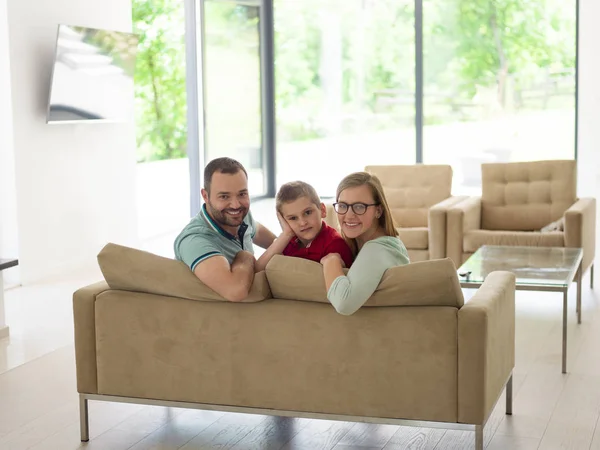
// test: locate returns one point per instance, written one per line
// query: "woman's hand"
(332, 257)
(286, 230)
(332, 268)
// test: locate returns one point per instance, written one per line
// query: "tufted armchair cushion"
(419, 196)
(412, 190)
(526, 196)
(518, 202)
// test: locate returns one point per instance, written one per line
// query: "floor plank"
(500, 442)
(219, 435)
(574, 419)
(411, 438)
(273, 434)
(319, 435)
(368, 435)
(457, 440)
(179, 430)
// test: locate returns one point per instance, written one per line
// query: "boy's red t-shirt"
(327, 241)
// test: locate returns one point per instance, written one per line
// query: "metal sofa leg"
(84, 425)
(478, 437)
(592, 276)
(509, 395)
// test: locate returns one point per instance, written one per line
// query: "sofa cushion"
(427, 283)
(129, 269)
(412, 189)
(415, 238)
(526, 196)
(476, 238)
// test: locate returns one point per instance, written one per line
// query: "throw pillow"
(129, 269)
(426, 283)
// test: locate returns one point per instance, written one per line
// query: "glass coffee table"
(550, 269)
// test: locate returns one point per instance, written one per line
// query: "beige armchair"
(419, 196)
(518, 200)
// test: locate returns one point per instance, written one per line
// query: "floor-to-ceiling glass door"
(345, 87)
(233, 87)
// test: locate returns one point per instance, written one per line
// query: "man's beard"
(224, 219)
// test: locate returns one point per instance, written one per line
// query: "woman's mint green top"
(348, 293)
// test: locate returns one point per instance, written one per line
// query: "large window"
(232, 87)
(360, 82)
(345, 87)
(163, 186)
(160, 96)
(499, 83)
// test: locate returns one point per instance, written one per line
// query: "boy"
(305, 234)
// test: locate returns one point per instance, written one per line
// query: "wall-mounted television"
(93, 76)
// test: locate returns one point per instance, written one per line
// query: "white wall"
(75, 184)
(8, 195)
(589, 100)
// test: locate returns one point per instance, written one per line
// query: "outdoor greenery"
(160, 79)
(346, 65)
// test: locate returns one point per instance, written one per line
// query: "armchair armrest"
(436, 220)
(84, 317)
(462, 217)
(486, 347)
(580, 228)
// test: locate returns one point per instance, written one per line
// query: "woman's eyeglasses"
(358, 208)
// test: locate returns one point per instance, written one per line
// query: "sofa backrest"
(526, 196)
(426, 283)
(130, 269)
(412, 189)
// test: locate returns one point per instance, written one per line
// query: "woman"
(366, 223)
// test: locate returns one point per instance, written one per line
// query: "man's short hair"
(292, 191)
(225, 165)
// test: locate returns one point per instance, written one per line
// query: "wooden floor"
(39, 404)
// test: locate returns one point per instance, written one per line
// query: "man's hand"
(231, 282)
(242, 258)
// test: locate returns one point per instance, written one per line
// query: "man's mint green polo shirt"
(203, 238)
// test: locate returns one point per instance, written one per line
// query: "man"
(217, 243)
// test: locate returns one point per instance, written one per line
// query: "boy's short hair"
(292, 191)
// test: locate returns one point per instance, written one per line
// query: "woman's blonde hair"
(386, 221)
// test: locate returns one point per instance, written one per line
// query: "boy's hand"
(286, 230)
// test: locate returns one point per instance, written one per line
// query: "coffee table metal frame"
(575, 274)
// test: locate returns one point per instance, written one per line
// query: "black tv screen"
(93, 75)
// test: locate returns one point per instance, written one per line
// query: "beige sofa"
(152, 333)
(518, 200)
(419, 196)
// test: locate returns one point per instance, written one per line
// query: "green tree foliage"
(352, 59)
(374, 42)
(160, 79)
(487, 41)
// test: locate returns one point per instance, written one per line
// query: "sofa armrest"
(580, 228)
(486, 347)
(462, 217)
(84, 318)
(436, 220)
